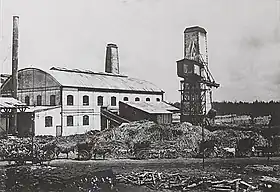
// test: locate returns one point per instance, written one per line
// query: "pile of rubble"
(180, 182)
(230, 137)
(15, 148)
(166, 141)
(142, 139)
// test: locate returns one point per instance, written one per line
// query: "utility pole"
(15, 46)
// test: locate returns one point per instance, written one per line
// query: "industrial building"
(64, 101)
(72, 101)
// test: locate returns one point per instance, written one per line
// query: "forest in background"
(254, 109)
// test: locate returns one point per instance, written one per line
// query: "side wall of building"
(164, 118)
(134, 114)
(33, 83)
(78, 110)
(39, 119)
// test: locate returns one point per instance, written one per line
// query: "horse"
(64, 150)
(245, 146)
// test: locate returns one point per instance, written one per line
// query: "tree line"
(253, 109)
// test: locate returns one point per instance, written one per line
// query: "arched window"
(137, 99)
(70, 100)
(27, 100)
(148, 99)
(85, 100)
(70, 120)
(99, 100)
(39, 100)
(158, 99)
(85, 120)
(48, 121)
(52, 100)
(125, 98)
(113, 101)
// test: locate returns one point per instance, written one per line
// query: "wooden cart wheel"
(141, 155)
(85, 155)
(50, 155)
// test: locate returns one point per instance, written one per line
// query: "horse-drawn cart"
(84, 151)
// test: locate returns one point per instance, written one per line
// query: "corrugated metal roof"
(89, 79)
(9, 102)
(152, 107)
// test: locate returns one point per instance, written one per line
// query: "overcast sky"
(243, 40)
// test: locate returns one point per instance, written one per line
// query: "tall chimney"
(15, 56)
(112, 59)
(13, 125)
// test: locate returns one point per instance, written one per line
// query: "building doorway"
(58, 130)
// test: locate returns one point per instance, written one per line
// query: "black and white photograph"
(139, 95)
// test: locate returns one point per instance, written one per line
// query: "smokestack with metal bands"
(112, 59)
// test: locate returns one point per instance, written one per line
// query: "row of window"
(70, 120)
(39, 100)
(70, 100)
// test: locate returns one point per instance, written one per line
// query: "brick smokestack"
(112, 59)
(15, 56)
(15, 47)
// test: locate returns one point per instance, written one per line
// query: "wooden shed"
(158, 112)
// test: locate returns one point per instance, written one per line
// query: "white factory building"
(71, 101)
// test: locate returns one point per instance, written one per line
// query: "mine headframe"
(197, 83)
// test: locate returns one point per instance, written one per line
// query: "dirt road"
(120, 164)
(216, 168)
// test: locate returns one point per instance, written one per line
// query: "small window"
(48, 121)
(27, 100)
(158, 99)
(70, 120)
(85, 100)
(39, 100)
(125, 98)
(70, 100)
(113, 101)
(85, 120)
(148, 99)
(137, 99)
(52, 100)
(99, 100)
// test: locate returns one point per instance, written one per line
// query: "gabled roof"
(90, 79)
(152, 107)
